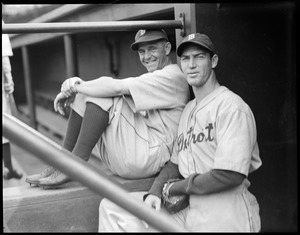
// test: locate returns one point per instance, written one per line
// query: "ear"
(214, 61)
(168, 47)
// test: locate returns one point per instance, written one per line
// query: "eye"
(200, 56)
(141, 52)
(152, 49)
(183, 58)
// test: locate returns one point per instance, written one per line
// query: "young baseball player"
(215, 151)
(134, 121)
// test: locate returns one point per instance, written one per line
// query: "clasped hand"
(66, 95)
(9, 87)
(153, 201)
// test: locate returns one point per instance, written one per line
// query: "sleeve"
(236, 136)
(6, 46)
(170, 171)
(6, 64)
(213, 181)
(156, 90)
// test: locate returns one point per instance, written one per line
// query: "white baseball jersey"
(219, 133)
(143, 127)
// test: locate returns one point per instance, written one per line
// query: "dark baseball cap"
(198, 39)
(148, 36)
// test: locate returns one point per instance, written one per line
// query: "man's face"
(197, 65)
(153, 55)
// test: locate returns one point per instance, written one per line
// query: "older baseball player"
(133, 121)
(215, 150)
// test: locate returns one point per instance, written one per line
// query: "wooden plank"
(53, 121)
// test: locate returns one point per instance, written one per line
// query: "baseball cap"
(148, 36)
(198, 39)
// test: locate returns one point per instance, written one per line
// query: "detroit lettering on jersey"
(194, 138)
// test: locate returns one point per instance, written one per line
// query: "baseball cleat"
(53, 181)
(34, 179)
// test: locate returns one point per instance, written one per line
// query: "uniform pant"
(113, 218)
(234, 210)
(125, 146)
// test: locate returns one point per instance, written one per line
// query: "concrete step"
(70, 208)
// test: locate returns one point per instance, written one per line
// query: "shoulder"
(229, 101)
(189, 107)
(170, 69)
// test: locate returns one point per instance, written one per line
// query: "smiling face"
(154, 55)
(197, 65)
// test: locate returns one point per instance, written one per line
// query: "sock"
(95, 121)
(7, 157)
(73, 128)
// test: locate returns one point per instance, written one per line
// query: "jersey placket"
(190, 157)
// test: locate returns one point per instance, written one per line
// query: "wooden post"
(28, 87)
(70, 56)
(189, 21)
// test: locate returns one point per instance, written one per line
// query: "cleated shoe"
(56, 179)
(34, 179)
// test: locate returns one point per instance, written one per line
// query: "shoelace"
(48, 169)
(55, 174)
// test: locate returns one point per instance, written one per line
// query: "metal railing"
(92, 26)
(51, 153)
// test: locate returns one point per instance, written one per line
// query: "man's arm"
(8, 80)
(170, 171)
(213, 181)
(104, 87)
(100, 87)
(153, 198)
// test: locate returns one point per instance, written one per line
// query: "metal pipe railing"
(50, 152)
(90, 26)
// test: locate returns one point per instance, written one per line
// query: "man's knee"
(105, 204)
(79, 105)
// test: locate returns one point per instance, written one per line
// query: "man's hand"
(153, 201)
(9, 87)
(68, 88)
(61, 102)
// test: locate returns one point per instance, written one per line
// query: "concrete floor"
(23, 162)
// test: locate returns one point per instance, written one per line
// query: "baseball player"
(134, 121)
(215, 150)
(7, 92)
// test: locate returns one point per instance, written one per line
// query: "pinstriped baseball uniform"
(142, 127)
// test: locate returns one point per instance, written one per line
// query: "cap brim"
(134, 46)
(182, 45)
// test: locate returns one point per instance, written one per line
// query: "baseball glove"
(176, 203)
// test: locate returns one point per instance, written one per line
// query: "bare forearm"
(103, 87)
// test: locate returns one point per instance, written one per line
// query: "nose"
(192, 63)
(147, 54)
